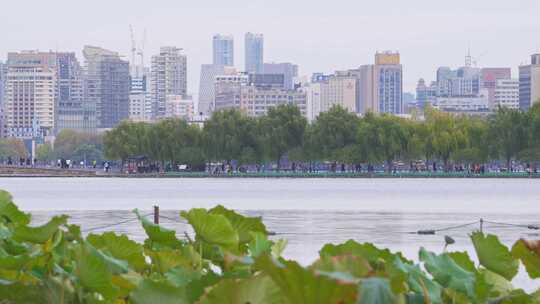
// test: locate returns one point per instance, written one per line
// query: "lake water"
(307, 212)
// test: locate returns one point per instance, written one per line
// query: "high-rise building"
(288, 70)
(179, 106)
(381, 84)
(489, 79)
(506, 94)
(106, 85)
(169, 77)
(336, 90)
(73, 112)
(235, 91)
(367, 93)
(140, 100)
(223, 50)
(3, 72)
(268, 81)
(30, 97)
(207, 87)
(254, 53)
(425, 95)
(529, 83)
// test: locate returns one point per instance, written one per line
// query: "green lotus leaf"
(18, 292)
(419, 283)
(356, 266)
(181, 277)
(5, 233)
(498, 285)
(279, 247)
(530, 258)
(157, 235)
(166, 259)
(17, 262)
(302, 286)
(259, 244)
(213, 229)
(448, 273)
(517, 296)
(367, 251)
(119, 247)
(197, 287)
(41, 234)
(243, 225)
(463, 260)
(93, 271)
(255, 290)
(162, 292)
(493, 255)
(376, 291)
(10, 211)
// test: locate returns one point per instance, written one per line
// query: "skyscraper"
(72, 110)
(207, 88)
(254, 53)
(389, 82)
(223, 50)
(106, 85)
(169, 77)
(30, 97)
(529, 83)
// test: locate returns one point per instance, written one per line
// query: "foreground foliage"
(231, 260)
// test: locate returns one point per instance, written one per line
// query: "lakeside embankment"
(55, 172)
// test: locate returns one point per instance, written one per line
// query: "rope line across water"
(114, 224)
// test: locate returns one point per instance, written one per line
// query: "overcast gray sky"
(317, 35)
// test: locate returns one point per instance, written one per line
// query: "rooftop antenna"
(468, 58)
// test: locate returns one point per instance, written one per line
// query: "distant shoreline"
(50, 173)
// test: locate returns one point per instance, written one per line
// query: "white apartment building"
(507, 93)
(235, 91)
(169, 77)
(30, 97)
(140, 100)
(177, 106)
(471, 104)
(334, 91)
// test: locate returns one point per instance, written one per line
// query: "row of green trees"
(12, 148)
(335, 136)
(73, 145)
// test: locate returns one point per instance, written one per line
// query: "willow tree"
(444, 136)
(383, 138)
(334, 134)
(230, 135)
(508, 134)
(127, 139)
(281, 131)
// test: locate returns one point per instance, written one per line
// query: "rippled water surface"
(307, 212)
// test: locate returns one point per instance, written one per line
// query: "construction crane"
(140, 52)
(133, 45)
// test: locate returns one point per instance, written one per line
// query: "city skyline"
(339, 37)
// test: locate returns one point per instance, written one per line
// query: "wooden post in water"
(481, 225)
(156, 214)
